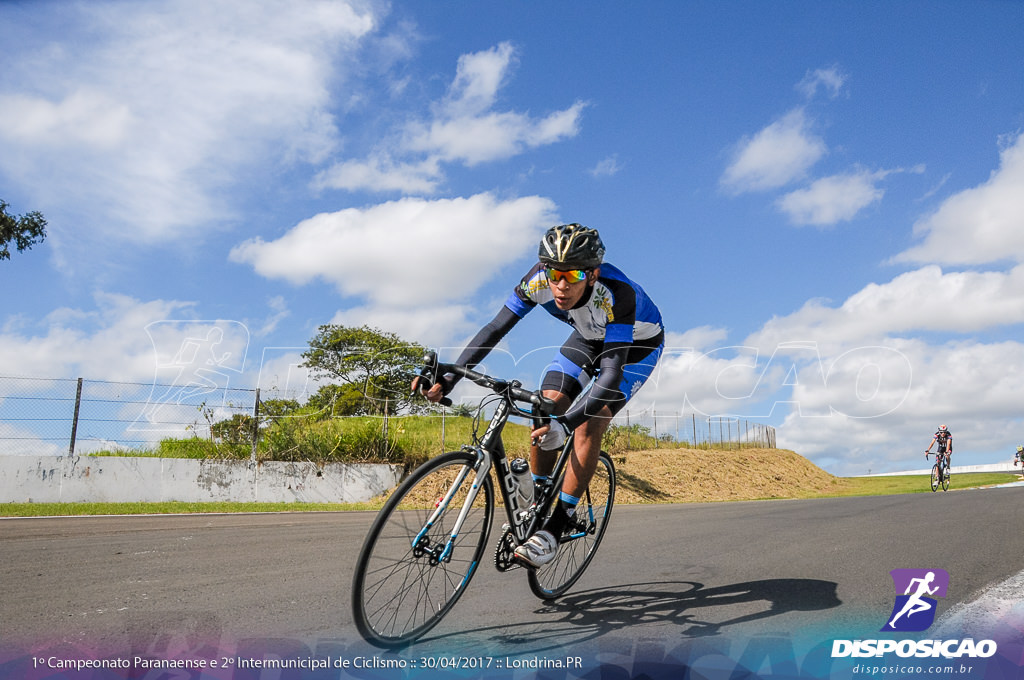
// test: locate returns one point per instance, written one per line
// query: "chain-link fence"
(693, 431)
(56, 416)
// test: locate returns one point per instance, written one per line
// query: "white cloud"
(491, 136)
(978, 225)
(832, 199)
(973, 387)
(607, 167)
(431, 326)
(279, 312)
(136, 122)
(873, 391)
(700, 338)
(830, 79)
(478, 77)
(721, 380)
(775, 156)
(863, 384)
(925, 300)
(110, 342)
(406, 252)
(464, 127)
(380, 173)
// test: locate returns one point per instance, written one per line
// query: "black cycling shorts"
(577, 362)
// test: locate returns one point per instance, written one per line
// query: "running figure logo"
(915, 607)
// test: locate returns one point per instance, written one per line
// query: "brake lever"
(427, 377)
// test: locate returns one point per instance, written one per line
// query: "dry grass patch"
(692, 475)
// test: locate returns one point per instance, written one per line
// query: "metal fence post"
(74, 420)
(255, 426)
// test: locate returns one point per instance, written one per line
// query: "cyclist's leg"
(557, 569)
(564, 380)
(639, 367)
(589, 435)
(583, 462)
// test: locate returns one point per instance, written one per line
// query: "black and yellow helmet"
(571, 246)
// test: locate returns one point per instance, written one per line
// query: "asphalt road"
(666, 575)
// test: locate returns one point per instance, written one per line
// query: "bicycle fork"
(437, 553)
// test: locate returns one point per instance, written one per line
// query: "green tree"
(235, 430)
(338, 400)
(25, 230)
(378, 364)
(272, 409)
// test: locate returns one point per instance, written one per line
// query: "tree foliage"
(235, 430)
(374, 367)
(25, 230)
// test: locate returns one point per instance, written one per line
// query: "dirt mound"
(691, 475)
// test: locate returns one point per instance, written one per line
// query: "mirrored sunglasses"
(572, 276)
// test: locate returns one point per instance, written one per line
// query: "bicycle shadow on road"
(696, 606)
(698, 611)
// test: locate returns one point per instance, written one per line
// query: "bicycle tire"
(946, 474)
(575, 552)
(935, 477)
(398, 592)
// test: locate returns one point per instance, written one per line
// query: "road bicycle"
(940, 473)
(428, 540)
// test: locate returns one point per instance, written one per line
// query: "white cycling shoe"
(538, 550)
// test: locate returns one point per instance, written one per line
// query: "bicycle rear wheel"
(409, 573)
(582, 538)
(935, 477)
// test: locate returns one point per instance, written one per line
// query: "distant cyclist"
(944, 438)
(1019, 457)
(617, 335)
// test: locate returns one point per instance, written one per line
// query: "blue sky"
(826, 199)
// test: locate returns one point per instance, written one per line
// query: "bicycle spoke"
(402, 587)
(586, 531)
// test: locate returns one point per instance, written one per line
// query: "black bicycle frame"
(490, 450)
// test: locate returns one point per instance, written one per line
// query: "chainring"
(504, 558)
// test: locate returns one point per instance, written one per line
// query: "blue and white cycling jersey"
(617, 309)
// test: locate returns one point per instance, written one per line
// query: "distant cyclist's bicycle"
(940, 471)
(429, 538)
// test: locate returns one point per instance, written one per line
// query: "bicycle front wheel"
(935, 477)
(582, 538)
(945, 478)
(411, 570)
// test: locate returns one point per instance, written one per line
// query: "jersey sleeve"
(605, 389)
(524, 296)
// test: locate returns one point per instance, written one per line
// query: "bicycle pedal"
(521, 563)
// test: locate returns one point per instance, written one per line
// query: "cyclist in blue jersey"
(617, 339)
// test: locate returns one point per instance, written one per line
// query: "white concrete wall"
(69, 479)
(959, 469)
